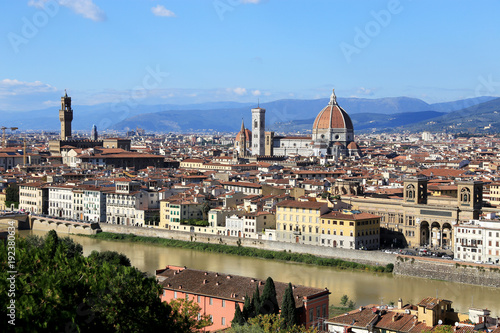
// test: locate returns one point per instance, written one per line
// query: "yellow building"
(33, 197)
(495, 194)
(3, 197)
(173, 212)
(350, 230)
(299, 221)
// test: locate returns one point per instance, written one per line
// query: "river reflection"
(363, 287)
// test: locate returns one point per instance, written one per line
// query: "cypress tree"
(256, 300)
(248, 310)
(238, 319)
(288, 309)
(269, 302)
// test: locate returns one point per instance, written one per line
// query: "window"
(223, 303)
(211, 302)
(175, 294)
(199, 299)
(223, 321)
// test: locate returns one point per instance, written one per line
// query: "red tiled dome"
(332, 116)
(353, 145)
(248, 135)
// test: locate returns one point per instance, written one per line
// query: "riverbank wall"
(438, 269)
(363, 257)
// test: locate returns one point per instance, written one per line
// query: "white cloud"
(239, 91)
(85, 8)
(256, 93)
(365, 91)
(14, 87)
(160, 10)
(255, 2)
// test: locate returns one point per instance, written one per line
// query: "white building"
(478, 241)
(250, 225)
(94, 203)
(61, 201)
(128, 204)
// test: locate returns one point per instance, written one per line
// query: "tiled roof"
(227, 286)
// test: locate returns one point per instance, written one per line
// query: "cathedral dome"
(332, 116)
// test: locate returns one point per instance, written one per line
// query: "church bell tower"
(65, 116)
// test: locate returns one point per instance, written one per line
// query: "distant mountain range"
(384, 114)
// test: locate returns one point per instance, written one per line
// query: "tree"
(343, 300)
(112, 257)
(248, 309)
(269, 302)
(205, 208)
(187, 315)
(57, 292)
(351, 304)
(256, 300)
(238, 319)
(12, 195)
(288, 309)
(270, 323)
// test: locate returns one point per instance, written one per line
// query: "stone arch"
(447, 235)
(435, 234)
(424, 233)
(465, 195)
(410, 191)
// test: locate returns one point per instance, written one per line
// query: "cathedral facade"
(332, 136)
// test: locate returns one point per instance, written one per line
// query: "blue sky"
(191, 51)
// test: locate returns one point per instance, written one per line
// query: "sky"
(194, 51)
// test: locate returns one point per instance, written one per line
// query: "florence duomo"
(332, 136)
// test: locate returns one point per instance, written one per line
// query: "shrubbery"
(248, 252)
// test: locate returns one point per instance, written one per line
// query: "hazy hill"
(480, 118)
(226, 116)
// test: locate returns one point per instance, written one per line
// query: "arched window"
(465, 195)
(410, 191)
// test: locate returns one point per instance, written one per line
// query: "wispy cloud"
(160, 10)
(239, 91)
(9, 87)
(85, 8)
(255, 2)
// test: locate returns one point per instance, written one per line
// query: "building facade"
(418, 219)
(218, 295)
(477, 241)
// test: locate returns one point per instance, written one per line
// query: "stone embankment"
(363, 257)
(447, 270)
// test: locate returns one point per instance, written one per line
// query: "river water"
(362, 287)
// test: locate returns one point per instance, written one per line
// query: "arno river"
(363, 287)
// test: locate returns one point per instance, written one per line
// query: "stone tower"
(258, 128)
(65, 116)
(93, 135)
(243, 140)
(415, 190)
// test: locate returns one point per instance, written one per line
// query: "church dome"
(248, 135)
(332, 116)
(353, 145)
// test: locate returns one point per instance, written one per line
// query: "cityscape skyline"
(246, 51)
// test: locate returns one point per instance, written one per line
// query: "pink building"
(218, 294)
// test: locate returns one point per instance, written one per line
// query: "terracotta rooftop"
(227, 286)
